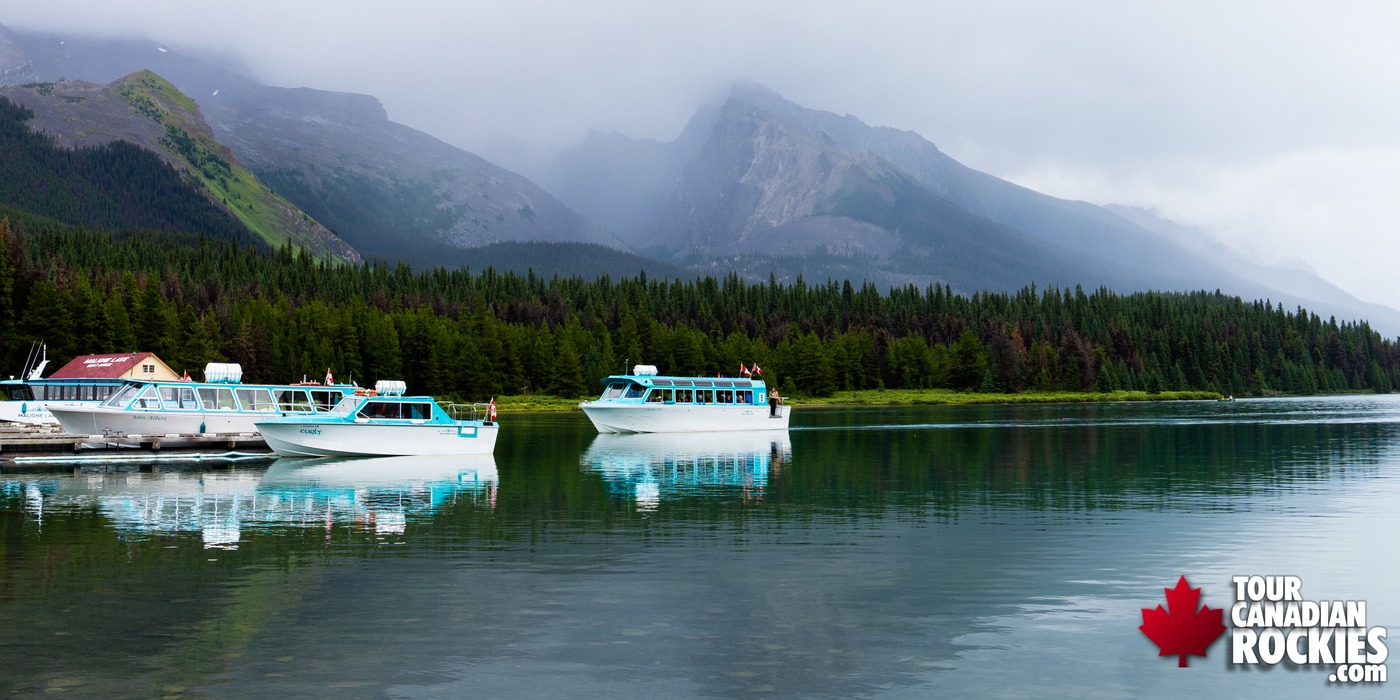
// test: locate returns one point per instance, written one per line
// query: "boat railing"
(468, 411)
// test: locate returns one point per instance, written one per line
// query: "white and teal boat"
(27, 399)
(383, 423)
(221, 404)
(647, 402)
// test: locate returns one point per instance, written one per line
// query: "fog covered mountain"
(389, 190)
(754, 184)
(757, 183)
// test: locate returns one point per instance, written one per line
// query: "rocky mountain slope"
(145, 110)
(388, 190)
(757, 183)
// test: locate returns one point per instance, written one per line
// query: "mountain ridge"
(754, 184)
(913, 215)
(144, 109)
(388, 190)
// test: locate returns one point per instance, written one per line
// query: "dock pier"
(39, 439)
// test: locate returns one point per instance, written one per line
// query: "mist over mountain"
(757, 183)
(754, 184)
(389, 190)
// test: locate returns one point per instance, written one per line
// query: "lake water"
(866, 553)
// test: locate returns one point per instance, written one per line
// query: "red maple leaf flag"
(1182, 631)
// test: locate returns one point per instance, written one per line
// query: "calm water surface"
(881, 553)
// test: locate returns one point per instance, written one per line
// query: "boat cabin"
(183, 396)
(684, 390)
(415, 409)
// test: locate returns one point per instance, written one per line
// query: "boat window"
(257, 400)
(293, 400)
(119, 398)
(417, 411)
(217, 398)
(659, 396)
(746, 397)
(704, 396)
(614, 390)
(724, 396)
(684, 395)
(381, 409)
(346, 406)
(178, 398)
(683, 382)
(325, 400)
(634, 391)
(21, 393)
(147, 400)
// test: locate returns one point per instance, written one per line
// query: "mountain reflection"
(375, 495)
(650, 468)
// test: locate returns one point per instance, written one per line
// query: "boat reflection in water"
(651, 467)
(378, 494)
(375, 495)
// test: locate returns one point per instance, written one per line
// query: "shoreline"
(541, 403)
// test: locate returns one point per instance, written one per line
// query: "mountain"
(386, 189)
(147, 112)
(1294, 285)
(15, 66)
(756, 182)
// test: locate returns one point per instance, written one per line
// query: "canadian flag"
(757, 369)
(491, 410)
(329, 378)
(745, 371)
(185, 378)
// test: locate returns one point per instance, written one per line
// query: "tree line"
(284, 315)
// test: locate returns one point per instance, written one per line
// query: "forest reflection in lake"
(891, 552)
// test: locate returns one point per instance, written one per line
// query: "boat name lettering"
(310, 431)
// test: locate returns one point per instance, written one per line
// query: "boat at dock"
(647, 402)
(27, 399)
(383, 422)
(220, 404)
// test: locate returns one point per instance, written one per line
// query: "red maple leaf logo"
(1183, 631)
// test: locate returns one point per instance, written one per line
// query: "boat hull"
(100, 420)
(326, 439)
(610, 417)
(28, 412)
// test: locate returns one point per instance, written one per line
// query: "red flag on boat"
(757, 369)
(329, 378)
(491, 410)
(744, 370)
(185, 378)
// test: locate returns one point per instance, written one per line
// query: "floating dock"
(25, 439)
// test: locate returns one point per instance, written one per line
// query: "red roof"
(100, 366)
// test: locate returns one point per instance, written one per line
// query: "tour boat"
(221, 404)
(382, 423)
(646, 402)
(27, 399)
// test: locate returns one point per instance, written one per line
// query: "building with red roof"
(127, 365)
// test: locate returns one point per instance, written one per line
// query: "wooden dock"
(17, 438)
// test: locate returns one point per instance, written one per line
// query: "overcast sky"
(1274, 124)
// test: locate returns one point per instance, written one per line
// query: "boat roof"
(342, 388)
(689, 382)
